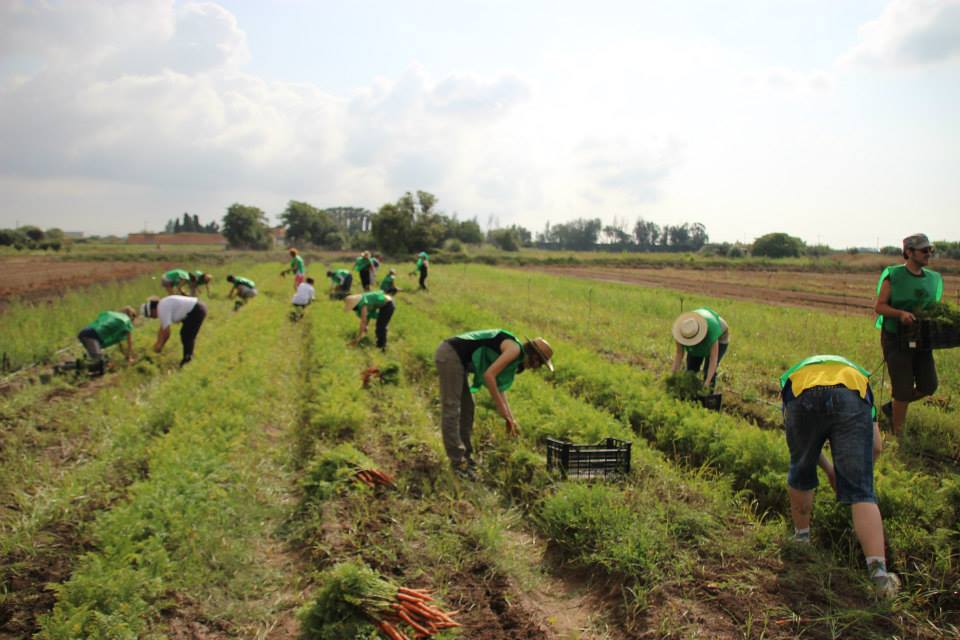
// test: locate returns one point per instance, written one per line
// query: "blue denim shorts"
(840, 415)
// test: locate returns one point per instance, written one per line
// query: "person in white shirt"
(171, 310)
(304, 296)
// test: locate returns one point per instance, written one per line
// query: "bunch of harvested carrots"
(374, 477)
(414, 608)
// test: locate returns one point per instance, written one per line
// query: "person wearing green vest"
(494, 357)
(389, 285)
(704, 335)
(243, 289)
(341, 281)
(110, 328)
(373, 305)
(364, 267)
(828, 397)
(902, 291)
(297, 268)
(199, 279)
(423, 266)
(174, 280)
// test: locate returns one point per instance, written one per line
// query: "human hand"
(131, 359)
(907, 318)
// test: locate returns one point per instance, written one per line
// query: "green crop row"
(186, 528)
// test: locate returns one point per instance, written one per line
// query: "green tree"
(246, 227)
(35, 234)
(306, 223)
(427, 201)
(467, 231)
(391, 227)
(505, 239)
(777, 245)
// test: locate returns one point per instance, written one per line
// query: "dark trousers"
(694, 363)
(365, 279)
(189, 330)
(386, 312)
(423, 277)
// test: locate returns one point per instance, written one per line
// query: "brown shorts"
(913, 374)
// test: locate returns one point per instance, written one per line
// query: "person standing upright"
(297, 268)
(423, 266)
(363, 266)
(902, 291)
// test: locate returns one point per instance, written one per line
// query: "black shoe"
(887, 410)
(465, 471)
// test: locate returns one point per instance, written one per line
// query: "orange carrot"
(391, 632)
(416, 593)
(410, 621)
(401, 595)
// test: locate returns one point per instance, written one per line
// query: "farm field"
(222, 500)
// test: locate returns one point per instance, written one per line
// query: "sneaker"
(887, 586)
(801, 538)
(465, 472)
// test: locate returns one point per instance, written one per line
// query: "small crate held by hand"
(926, 333)
(609, 458)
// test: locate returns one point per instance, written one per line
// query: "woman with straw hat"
(494, 357)
(374, 305)
(704, 335)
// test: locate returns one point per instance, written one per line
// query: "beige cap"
(351, 301)
(690, 328)
(544, 350)
(916, 241)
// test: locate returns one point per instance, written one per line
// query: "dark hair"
(329, 273)
(309, 280)
(230, 278)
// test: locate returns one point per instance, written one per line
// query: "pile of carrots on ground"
(374, 477)
(415, 608)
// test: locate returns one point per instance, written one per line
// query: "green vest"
(820, 360)
(111, 327)
(339, 276)
(296, 264)
(243, 282)
(361, 263)
(714, 331)
(485, 356)
(372, 300)
(197, 276)
(387, 283)
(176, 276)
(909, 292)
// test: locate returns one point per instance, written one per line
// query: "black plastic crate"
(610, 457)
(929, 334)
(712, 401)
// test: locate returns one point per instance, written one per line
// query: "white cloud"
(910, 32)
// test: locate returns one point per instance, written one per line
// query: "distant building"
(279, 235)
(73, 235)
(176, 238)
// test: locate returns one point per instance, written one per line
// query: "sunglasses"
(925, 250)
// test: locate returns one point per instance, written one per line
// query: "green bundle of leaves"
(942, 312)
(684, 385)
(351, 597)
(332, 467)
(390, 374)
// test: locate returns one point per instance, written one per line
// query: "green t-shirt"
(244, 282)
(361, 263)
(387, 283)
(715, 329)
(176, 276)
(111, 327)
(909, 292)
(339, 276)
(373, 301)
(296, 264)
(197, 276)
(485, 356)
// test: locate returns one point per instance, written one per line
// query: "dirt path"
(851, 293)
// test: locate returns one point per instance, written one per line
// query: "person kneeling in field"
(199, 279)
(171, 310)
(704, 335)
(389, 284)
(373, 305)
(243, 289)
(304, 296)
(110, 328)
(174, 280)
(494, 357)
(829, 398)
(341, 281)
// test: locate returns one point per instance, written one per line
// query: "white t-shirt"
(173, 309)
(304, 294)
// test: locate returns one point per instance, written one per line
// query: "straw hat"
(351, 301)
(690, 328)
(544, 350)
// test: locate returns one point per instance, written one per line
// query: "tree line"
(190, 224)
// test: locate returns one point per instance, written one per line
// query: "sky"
(832, 121)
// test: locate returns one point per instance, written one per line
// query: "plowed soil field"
(851, 293)
(36, 278)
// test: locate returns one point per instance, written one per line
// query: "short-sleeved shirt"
(197, 277)
(477, 350)
(244, 282)
(304, 294)
(373, 301)
(387, 283)
(296, 264)
(361, 263)
(173, 309)
(339, 276)
(111, 327)
(717, 331)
